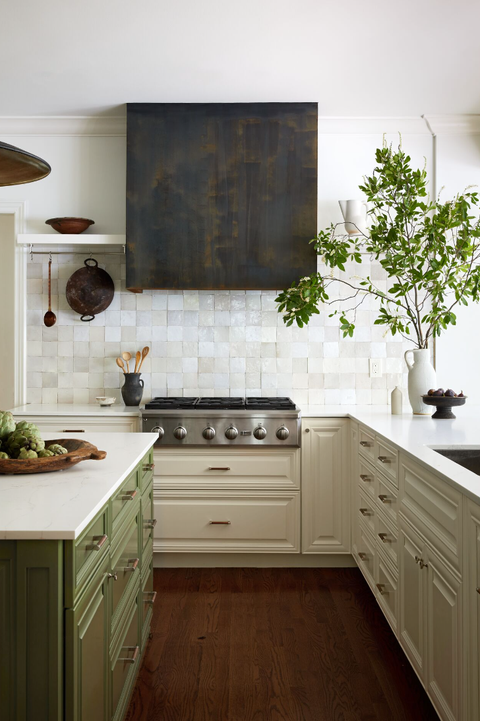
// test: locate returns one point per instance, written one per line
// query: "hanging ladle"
(49, 318)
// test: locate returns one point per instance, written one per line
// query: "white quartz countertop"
(60, 505)
(416, 434)
(72, 409)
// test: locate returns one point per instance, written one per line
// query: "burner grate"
(269, 404)
(171, 403)
(221, 404)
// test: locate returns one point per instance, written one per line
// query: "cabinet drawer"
(89, 550)
(147, 601)
(146, 470)
(387, 538)
(51, 427)
(387, 498)
(387, 461)
(366, 555)
(366, 443)
(125, 665)
(202, 469)
(126, 569)
(386, 585)
(366, 511)
(238, 522)
(366, 478)
(148, 520)
(123, 499)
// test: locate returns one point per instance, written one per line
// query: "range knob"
(208, 433)
(259, 433)
(180, 432)
(283, 433)
(231, 433)
(159, 430)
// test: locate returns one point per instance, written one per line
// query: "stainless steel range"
(223, 421)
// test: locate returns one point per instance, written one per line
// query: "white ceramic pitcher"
(421, 377)
(355, 216)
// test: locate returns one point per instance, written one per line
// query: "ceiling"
(356, 58)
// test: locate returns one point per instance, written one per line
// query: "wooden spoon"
(127, 357)
(138, 355)
(49, 318)
(145, 352)
(121, 365)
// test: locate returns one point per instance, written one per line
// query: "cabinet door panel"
(412, 584)
(444, 649)
(325, 487)
(472, 608)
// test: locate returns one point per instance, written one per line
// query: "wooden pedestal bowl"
(444, 405)
(77, 451)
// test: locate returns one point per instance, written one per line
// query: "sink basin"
(466, 456)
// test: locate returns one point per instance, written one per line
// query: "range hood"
(220, 195)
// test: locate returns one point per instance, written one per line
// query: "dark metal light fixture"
(18, 167)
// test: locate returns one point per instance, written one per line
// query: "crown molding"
(371, 126)
(94, 125)
(454, 124)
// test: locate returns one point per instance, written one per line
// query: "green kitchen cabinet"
(71, 641)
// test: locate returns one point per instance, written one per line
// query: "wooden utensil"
(49, 318)
(145, 352)
(138, 356)
(127, 357)
(121, 365)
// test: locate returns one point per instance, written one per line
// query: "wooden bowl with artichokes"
(22, 449)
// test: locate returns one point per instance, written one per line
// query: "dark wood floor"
(272, 645)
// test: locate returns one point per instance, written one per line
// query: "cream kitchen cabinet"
(472, 610)
(61, 426)
(325, 486)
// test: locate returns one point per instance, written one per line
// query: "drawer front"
(367, 513)
(146, 470)
(202, 469)
(148, 598)
(235, 522)
(125, 665)
(123, 499)
(366, 443)
(387, 498)
(125, 567)
(55, 427)
(148, 520)
(387, 461)
(387, 538)
(386, 585)
(366, 478)
(90, 548)
(366, 556)
(433, 507)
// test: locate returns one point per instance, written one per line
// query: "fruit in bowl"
(444, 401)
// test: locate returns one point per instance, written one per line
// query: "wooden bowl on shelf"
(444, 405)
(77, 451)
(70, 225)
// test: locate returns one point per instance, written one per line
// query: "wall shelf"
(69, 239)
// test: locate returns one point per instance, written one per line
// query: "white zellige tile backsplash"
(201, 343)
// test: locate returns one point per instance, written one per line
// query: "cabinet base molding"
(251, 560)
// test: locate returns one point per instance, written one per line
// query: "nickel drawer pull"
(98, 543)
(384, 537)
(128, 496)
(421, 562)
(478, 590)
(148, 466)
(153, 596)
(150, 523)
(384, 498)
(384, 459)
(365, 512)
(219, 468)
(362, 556)
(219, 523)
(67, 430)
(365, 478)
(366, 444)
(112, 575)
(133, 658)
(381, 588)
(133, 567)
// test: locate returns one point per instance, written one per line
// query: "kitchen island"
(76, 583)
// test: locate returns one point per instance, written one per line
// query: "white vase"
(421, 377)
(355, 216)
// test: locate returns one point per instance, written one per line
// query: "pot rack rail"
(84, 252)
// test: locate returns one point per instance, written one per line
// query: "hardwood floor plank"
(273, 645)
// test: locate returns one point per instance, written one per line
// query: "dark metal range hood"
(220, 195)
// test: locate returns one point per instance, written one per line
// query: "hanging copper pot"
(90, 290)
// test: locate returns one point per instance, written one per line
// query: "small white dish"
(105, 401)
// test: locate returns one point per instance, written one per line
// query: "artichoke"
(23, 439)
(25, 454)
(25, 426)
(7, 424)
(3, 456)
(45, 454)
(57, 449)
